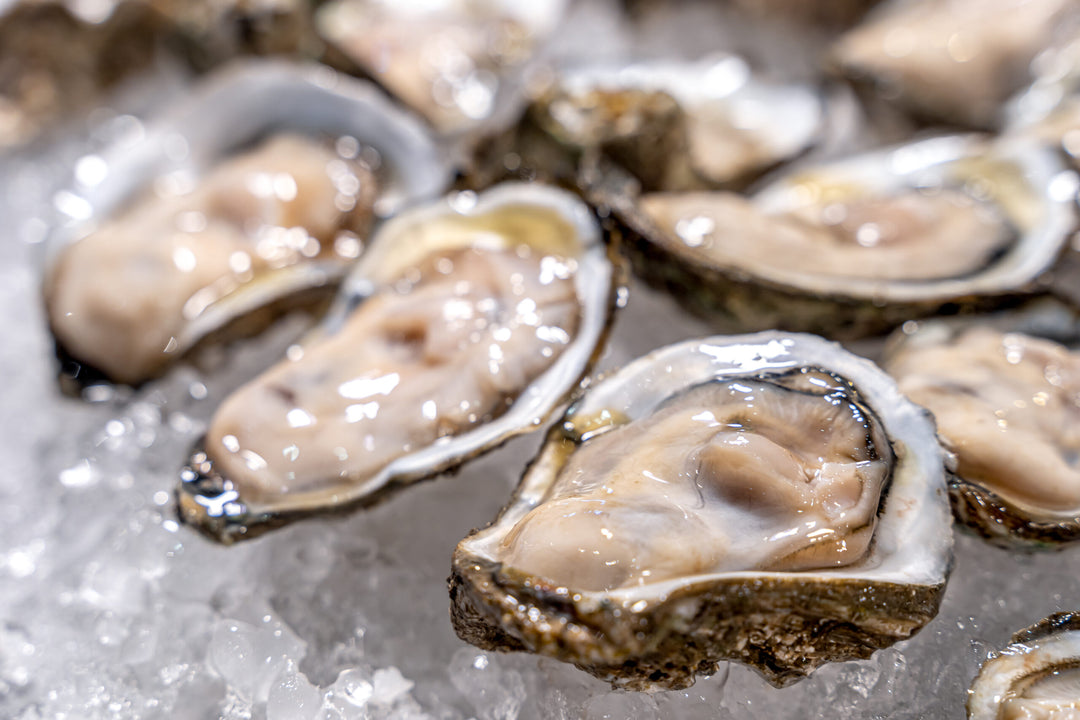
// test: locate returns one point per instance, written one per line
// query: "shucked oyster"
(476, 317)
(957, 60)
(453, 61)
(1037, 677)
(230, 229)
(857, 245)
(1007, 406)
(768, 498)
(129, 297)
(678, 125)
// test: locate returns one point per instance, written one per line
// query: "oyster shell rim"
(1023, 645)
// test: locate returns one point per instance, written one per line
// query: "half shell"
(234, 109)
(467, 323)
(1036, 677)
(660, 634)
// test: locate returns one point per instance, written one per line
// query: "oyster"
(858, 245)
(1050, 109)
(1007, 406)
(259, 229)
(474, 318)
(1037, 677)
(456, 62)
(767, 498)
(678, 125)
(956, 61)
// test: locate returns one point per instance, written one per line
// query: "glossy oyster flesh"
(851, 247)
(955, 61)
(467, 322)
(1007, 406)
(456, 62)
(232, 232)
(1037, 677)
(768, 499)
(678, 125)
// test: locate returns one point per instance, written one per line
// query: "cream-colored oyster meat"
(747, 474)
(1008, 406)
(125, 298)
(957, 60)
(906, 234)
(437, 352)
(449, 59)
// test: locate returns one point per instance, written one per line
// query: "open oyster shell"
(377, 159)
(1036, 677)
(467, 322)
(1005, 398)
(678, 125)
(742, 260)
(956, 61)
(641, 633)
(456, 62)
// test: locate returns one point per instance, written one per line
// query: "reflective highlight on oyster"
(450, 60)
(1008, 406)
(748, 474)
(284, 217)
(733, 498)
(465, 323)
(907, 235)
(443, 349)
(680, 125)
(1037, 677)
(956, 61)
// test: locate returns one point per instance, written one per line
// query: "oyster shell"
(680, 125)
(798, 255)
(467, 322)
(134, 285)
(1007, 406)
(955, 61)
(1037, 677)
(767, 498)
(456, 62)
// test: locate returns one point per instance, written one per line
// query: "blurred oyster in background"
(230, 236)
(954, 61)
(1007, 405)
(1037, 677)
(853, 246)
(456, 62)
(825, 12)
(60, 56)
(679, 125)
(259, 228)
(467, 322)
(769, 499)
(1050, 108)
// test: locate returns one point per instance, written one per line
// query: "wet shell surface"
(467, 322)
(857, 245)
(648, 570)
(1006, 403)
(265, 184)
(1037, 677)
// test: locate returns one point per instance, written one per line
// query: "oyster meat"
(956, 61)
(1007, 406)
(854, 246)
(475, 318)
(678, 125)
(1037, 677)
(456, 62)
(127, 297)
(768, 498)
(257, 204)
